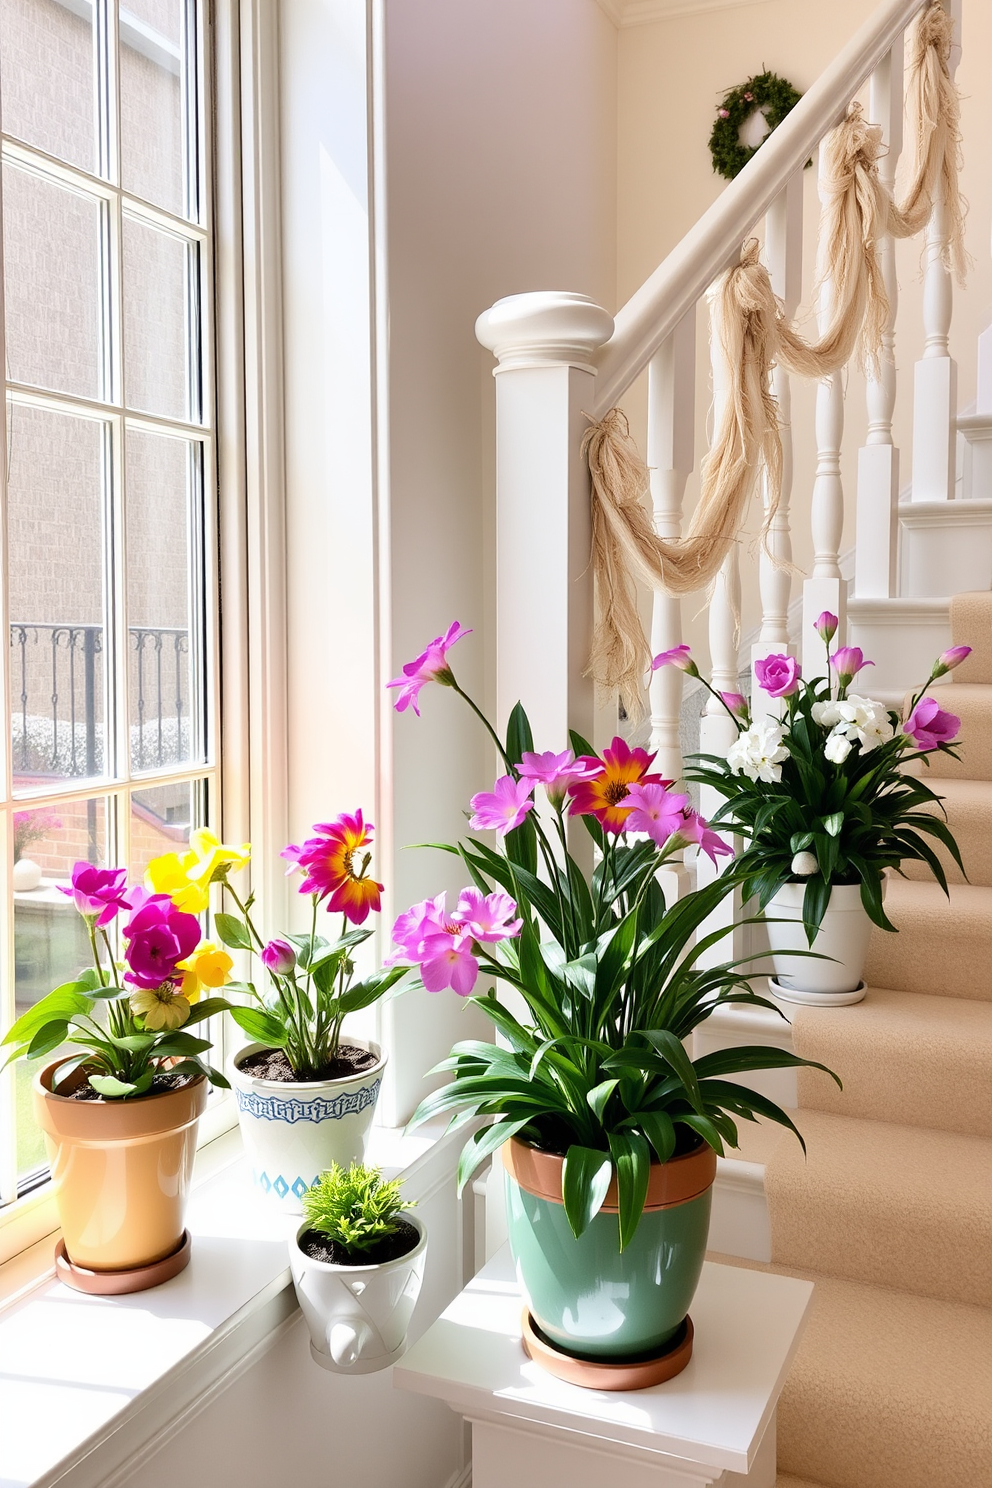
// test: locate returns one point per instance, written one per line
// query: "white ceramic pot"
(26, 875)
(843, 936)
(358, 1316)
(293, 1131)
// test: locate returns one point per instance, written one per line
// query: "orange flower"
(602, 795)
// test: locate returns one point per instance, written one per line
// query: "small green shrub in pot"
(356, 1210)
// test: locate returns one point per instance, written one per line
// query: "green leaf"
(632, 1158)
(518, 735)
(233, 932)
(660, 1132)
(585, 1179)
(599, 1096)
(206, 1009)
(48, 1037)
(670, 1048)
(364, 994)
(799, 841)
(114, 1089)
(482, 1143)
(261, 1028)
(62, 1004)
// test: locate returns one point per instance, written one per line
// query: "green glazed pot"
(584, 1294)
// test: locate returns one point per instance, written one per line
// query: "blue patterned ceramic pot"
(293, 1131)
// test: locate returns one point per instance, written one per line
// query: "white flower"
(803, 864)
(827, 713)
(837, 748)
(758, 752)
(858, 719)
(874, 732)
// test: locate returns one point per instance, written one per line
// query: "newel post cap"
(544, 328)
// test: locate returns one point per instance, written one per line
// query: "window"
(109, 587)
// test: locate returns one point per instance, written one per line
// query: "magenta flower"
(777, 675)
(412, 928)
(558, 772)
(158, 937)
(847, 662)
(657, 812)
(678, 656)
(695, 829)
(278, 957)
(825, 626)
(949, 659)
(98, 892)
(486, 917)
(723, 113)
(504, 807)
(929, 726)
(447, 961)
(430, 666)
(736, 703)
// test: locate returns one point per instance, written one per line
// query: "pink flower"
(678, 656)
(430, 666)
(847, 662)
(949, 659)
(278, 957)
(777, 675)
(748, 97)
(486, 917)
(447, 961)
(603, 795)
(558, 772)
(158, 937)
(825, 626)
(504, 807)
(656, 811)
(736, 703)
(723, 113)
(328, 864)
(98, 892)
(695, 829)
(412, 929)
(929, 726)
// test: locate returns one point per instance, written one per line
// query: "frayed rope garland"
(754, 334)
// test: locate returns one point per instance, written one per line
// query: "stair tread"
(888, 1389)
(967, 807)
(971, 625)
(972, 703)
(904, 1057)
(943, 945)
(883, 1203)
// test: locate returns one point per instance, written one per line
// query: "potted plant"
(608, 1130)
(825, 804)
(30, 826)
(119, 1106)
(306, 1095)
(357, 1266)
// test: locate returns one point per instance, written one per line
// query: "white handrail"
(709, 247)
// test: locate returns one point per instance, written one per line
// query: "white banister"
(877, 521)
(544, 343)
(654, 310)
(670, 457)
(825, 589)
(935, 386)
(784, 256)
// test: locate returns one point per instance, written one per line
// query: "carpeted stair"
(891, 1214)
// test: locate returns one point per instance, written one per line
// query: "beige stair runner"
(891, 1216)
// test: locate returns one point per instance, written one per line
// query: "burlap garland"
(754, 335)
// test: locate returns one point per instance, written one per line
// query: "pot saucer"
(599, 1374)
(117, 1283)
(816, 999)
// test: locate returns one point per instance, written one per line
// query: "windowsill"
(86, 1382)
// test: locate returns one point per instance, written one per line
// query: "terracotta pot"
(121, 1171)
(589, 1298)
(293, 1130)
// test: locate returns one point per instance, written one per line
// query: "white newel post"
(825, 589)
(877, 521)
(544, 343)
(784, 252)
(935, 387)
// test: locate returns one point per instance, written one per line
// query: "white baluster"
(935, 388)
(670, 454)
(784, 256)
(825, 589)
(876, 545)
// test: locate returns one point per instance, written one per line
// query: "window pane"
(46, 78)
(52, 284)
(159, 477)
(160, 823)
(156, 356)
(55, 537)
(50, 941)
(151, 64)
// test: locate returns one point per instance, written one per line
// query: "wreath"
(766, 92)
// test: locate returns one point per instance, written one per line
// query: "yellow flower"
(169, 874)
(207, 967)
(162, 1008)
(212, 859)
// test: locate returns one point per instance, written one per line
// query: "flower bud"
(949, 659)
(736, 703)
(825, 626)
(678, 656)
(804, 864)
(278, 957)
